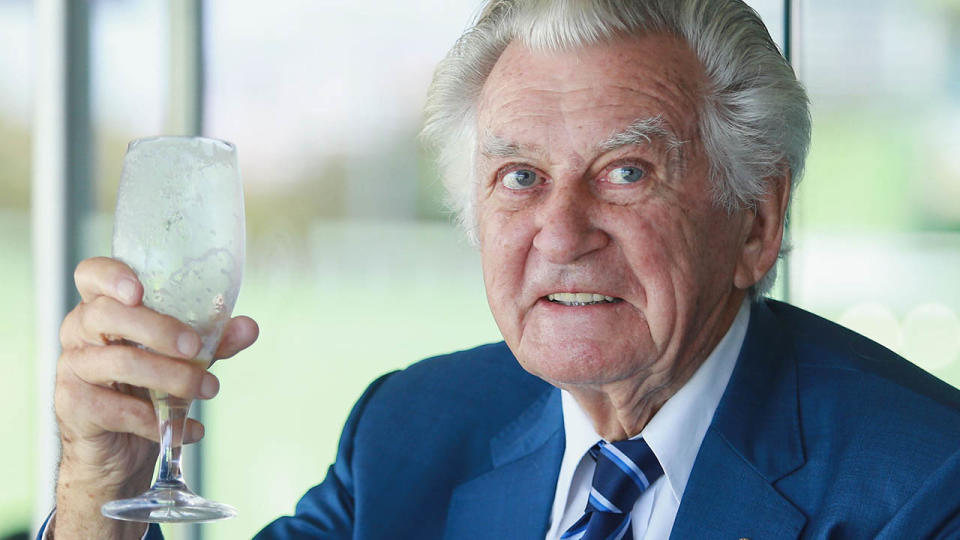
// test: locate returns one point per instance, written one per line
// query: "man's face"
(570, 200)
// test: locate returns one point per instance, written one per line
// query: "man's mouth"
(581, 299)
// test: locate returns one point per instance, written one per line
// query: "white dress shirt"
(674, 434)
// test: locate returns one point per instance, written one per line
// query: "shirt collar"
(675, 432)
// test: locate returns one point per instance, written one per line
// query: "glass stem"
(172, 418)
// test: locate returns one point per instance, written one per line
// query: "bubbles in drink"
(175, 228)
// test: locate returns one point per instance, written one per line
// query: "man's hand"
(108, 428)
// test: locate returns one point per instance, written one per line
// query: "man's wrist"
(80, 495)
(72, 524)
(48, 529)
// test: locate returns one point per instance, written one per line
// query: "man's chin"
(583, 367)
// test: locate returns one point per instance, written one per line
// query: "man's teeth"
(579, 299)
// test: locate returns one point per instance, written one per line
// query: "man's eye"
(625, 175)
(520, 179)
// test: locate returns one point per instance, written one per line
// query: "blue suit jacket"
(820, 433)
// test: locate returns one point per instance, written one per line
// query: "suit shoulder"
(876, 431)
(489, 368)
(822, 345)
(852, 384)
(470, 391)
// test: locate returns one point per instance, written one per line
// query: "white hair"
(754, 119)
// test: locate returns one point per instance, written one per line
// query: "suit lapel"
(514, 498)
(727, 498)
(753, 441)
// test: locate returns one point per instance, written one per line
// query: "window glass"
(353, 268)
(877, 218)
(17, 414)
(127, 77)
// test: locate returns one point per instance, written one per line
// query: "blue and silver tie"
(624, 470)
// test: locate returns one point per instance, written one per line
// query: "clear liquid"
(194, 294)
(179, 225)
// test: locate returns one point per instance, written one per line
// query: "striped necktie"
(624, 470)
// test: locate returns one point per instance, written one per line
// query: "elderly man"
(625, 169)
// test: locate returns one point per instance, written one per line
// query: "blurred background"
(353, 268)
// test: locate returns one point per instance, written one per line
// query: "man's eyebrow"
(641, 131)
(495, 146)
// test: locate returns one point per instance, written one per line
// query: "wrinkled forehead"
(600, 88)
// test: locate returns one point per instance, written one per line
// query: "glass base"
(167, 505)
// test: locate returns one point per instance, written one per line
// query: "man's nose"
(567, 226)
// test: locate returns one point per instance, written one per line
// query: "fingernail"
(209, 386)
(196, 432)
(187, 344)
(127, 290)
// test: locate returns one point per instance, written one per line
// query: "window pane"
(877, 219)
(771, 11)
(353, 268)
(17, 415)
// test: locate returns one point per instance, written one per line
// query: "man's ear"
(763, 232)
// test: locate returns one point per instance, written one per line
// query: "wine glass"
(179, 224)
